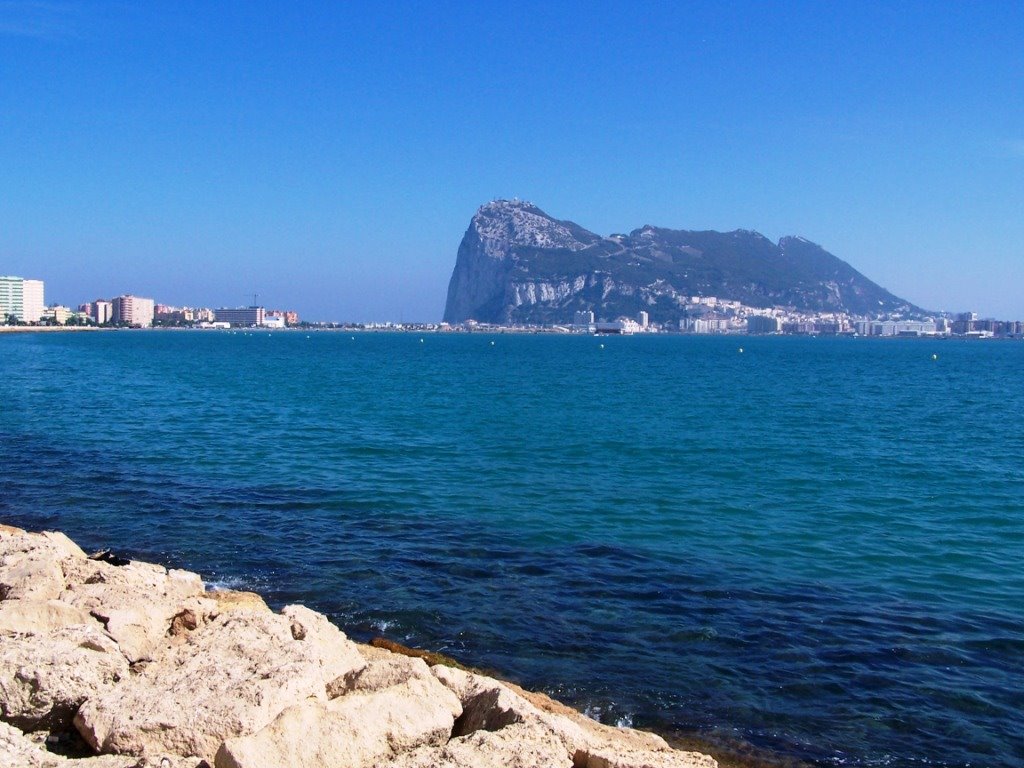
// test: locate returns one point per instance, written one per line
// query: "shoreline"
(107, 656)
(494, 331)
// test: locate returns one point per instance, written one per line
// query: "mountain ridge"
(517, 264)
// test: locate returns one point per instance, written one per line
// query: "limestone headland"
(113, 663)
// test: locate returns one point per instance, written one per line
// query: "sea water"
(812, 546)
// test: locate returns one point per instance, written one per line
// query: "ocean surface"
(813, 546)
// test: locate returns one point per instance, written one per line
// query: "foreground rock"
(389, 708)
(19, 751)
(45, 677)
(233, 677)
(146, 668)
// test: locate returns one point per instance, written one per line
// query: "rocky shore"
(109, 663)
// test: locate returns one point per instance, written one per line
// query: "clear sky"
(330, 155)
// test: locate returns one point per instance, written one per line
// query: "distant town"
(22, 304)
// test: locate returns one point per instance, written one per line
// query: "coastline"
(428, 329)
(50, 328)
(110, 663)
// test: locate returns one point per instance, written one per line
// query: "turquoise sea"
(815, 546)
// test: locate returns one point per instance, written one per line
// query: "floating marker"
(421, 341)
(492, 343)
(602, 346)
(741, 350)
(935, 357)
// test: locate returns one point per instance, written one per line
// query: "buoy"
(421, 341)
(492, 343)
(935, 357)
(741, 350)
(602, 346)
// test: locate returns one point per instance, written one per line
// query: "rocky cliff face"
(516, 264)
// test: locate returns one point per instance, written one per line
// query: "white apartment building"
(21, 298)
(102, 311)
(33, 303)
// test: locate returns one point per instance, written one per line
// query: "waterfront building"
(240, 316)
(133, 311)
(915, 328)
(586, 317)
(643, 320)
(167, 315)
(32, 300)
(102, 311)
(800, 327)
(706, 324)
(623, 326)
(759, 324)
(288, 319)
(11, 298)
(21, 298)
(56, 315)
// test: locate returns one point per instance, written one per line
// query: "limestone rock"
(136, 602)
(19, 751)
(233, 600)
(31, 578)
(40, 616)
(385, 671)
(490, 706)
(231, 677)
(30, 564)
(516, 264)
(45, 677)
(389, 709)
(520, 745)
(624, 757)
(15, 542)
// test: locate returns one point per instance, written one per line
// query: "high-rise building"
(643, 319)
(32, 300)
(134, 311)
(102, 311)
(11, 298)
(21, 298)
(757, 324)
(583, 318)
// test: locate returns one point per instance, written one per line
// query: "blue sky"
(329, 156)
